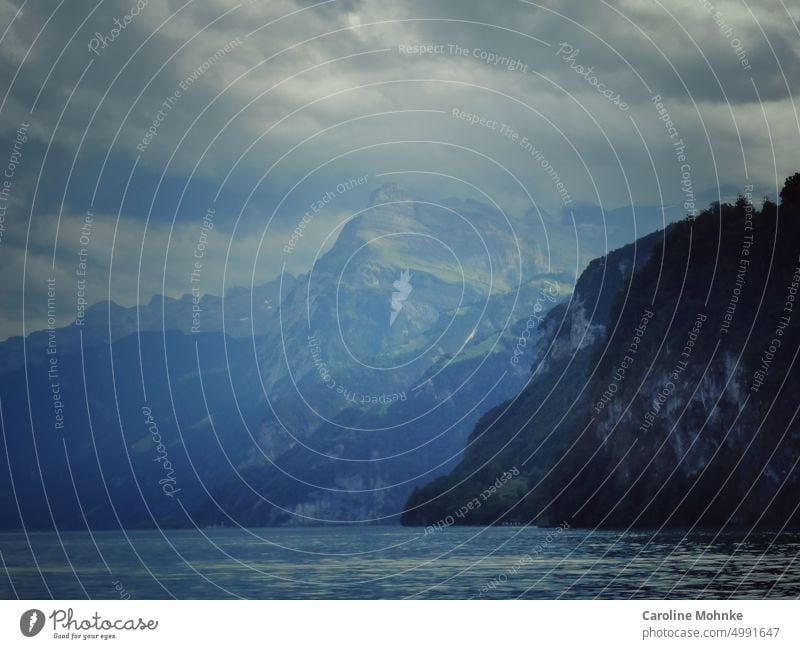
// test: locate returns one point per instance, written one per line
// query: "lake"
(396, 562)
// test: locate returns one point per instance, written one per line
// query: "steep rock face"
(670, 401)
(698, 432)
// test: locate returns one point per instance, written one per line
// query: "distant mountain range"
(324, 397)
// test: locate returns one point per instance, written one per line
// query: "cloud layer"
(260, 108)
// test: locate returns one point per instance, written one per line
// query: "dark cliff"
(665, 394)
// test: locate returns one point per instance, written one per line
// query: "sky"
(203, 132)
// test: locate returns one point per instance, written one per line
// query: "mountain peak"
(387, 193)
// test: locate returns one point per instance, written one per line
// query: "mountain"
(324, 396)
(663, 394)
(449, 355)
(328, 396)
(402, 335)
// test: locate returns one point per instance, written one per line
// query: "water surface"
(396, 562)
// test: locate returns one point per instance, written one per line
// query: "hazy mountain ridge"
(214, 406)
